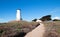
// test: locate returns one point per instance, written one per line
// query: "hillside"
(19, 29)
(52, 29)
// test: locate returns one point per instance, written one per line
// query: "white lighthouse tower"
(18, 15)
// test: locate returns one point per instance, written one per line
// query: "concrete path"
(37, 32)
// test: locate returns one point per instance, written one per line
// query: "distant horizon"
(30, 9)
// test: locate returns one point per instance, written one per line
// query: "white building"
(18, 15)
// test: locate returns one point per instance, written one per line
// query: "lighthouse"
(18, 15)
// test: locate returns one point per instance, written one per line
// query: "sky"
(30, 9)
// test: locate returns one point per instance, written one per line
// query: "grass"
(16, 27)
(27, 26)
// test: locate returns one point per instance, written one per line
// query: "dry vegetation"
(11, 29)
(19, 29)
(52, 29)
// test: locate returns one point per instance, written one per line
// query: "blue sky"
(30, 9)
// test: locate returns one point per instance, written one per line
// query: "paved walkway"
(37, 32)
